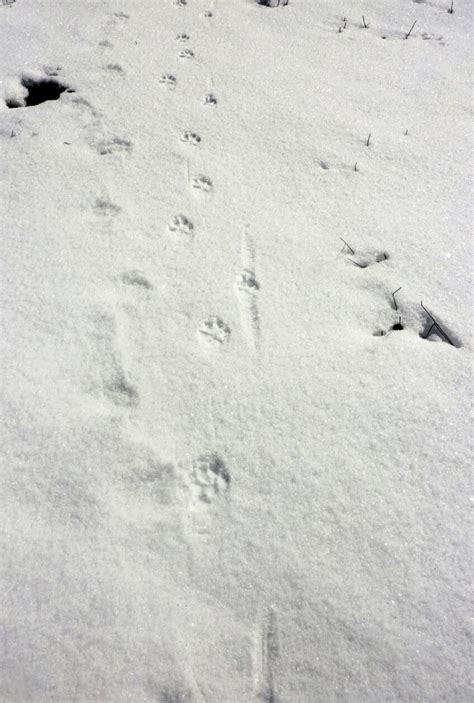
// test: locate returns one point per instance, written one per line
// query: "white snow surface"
(221, 483)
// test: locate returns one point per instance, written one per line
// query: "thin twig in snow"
(436, 324)
(411, 29)
(393, 296)
(348, 246)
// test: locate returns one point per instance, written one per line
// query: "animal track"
(168, 79)
(426, 36)
(186, 54)
(247, 287)
(122, 16)
(180, 3)
(182, 225)
(174, 695)
(106, 43)
(150, 483)
(209, 99)
(214, 330)
(135, 278)
(208, 14)
(120, 391)
(246, 281)
(114, 145)
(52, 70)
(183, 37)
(86, 107)
(190, 138)
(115, 68)
(202, 183)
(115, 384)
(206, 483)
(208, 478)
(105, 207)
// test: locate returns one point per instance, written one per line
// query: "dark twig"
(355, 166)
(429, 331)
(394, 299)
(437, 325)
(411, 29)
(451, 9)
(356, 263)
(348, 246)
(367, 143)
(365, 23)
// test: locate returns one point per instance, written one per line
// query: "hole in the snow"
(39, 91)
(398, 325)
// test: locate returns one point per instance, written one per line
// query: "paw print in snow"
(214, 329)
(209, 478)
(190, 138)
(183, 37)
(246, 281)
(168, 79)
(180, 3)
(186, 54)
(202, 183)
(209, 99)
(182, 225)
(208, 14)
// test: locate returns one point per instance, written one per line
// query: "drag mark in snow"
(247, 288)
(267, 652)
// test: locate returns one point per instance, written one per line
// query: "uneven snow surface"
(227, 478)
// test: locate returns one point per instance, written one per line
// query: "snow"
(221, 482)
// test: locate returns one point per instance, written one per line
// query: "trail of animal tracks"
(236, 446)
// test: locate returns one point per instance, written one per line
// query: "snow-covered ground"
(222, 483)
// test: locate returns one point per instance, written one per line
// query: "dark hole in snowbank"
(39, 91)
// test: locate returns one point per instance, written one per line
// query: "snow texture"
(236, 448)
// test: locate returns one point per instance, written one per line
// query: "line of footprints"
(213, 331)
(201, 484)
